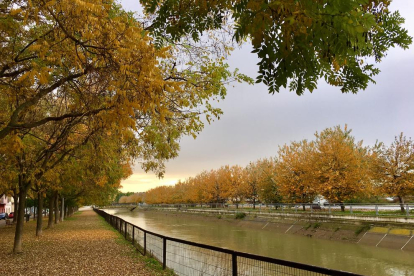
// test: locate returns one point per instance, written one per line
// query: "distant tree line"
(333, 165)
(131, 197)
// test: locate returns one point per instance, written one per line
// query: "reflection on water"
(367, 260)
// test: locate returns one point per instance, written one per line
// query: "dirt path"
(81, 245)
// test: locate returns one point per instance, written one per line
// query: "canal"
(366, 260)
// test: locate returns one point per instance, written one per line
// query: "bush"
(316, 225)
(240, 215)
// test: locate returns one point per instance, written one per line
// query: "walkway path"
(81, 245)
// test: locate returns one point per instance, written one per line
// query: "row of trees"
(333, 165)
(131, 197)
(84, 91)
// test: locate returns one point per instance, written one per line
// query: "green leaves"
(298, 42)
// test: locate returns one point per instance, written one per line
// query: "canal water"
(362, 259)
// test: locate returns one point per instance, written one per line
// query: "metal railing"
(190, 258)
(350, 209)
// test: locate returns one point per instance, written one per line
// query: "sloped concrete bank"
(387, 234)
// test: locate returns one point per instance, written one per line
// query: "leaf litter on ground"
(85, 245)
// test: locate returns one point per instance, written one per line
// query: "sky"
(255, 123)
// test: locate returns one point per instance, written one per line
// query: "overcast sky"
(255, 123)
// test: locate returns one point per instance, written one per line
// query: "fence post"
(350, 208)
(329, 208)
(164, 253)
(311, 207)
(126, 225)
(133, 234)
(145, 243)
(376, 210)
(234, 263)
(407, 209)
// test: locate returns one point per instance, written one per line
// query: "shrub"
(240, 215)
(316, 225)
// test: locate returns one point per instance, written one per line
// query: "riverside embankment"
(333, 245)
(387, 232)
(82, 245)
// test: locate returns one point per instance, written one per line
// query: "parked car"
(2, 215)
(11, 215)
(392, 199)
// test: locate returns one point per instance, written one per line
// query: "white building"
(6, 204)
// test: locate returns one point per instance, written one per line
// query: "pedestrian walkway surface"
(81, 245)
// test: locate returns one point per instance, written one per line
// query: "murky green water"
(366, 260)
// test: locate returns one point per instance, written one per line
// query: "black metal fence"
(190, 258)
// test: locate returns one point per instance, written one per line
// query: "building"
(6, 204)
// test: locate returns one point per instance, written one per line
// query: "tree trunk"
(254, 203)
(304, 207)
(62, 211)
(401, 199)
(35, 210)
(39, 222)
(342, 207)
(51, 204)
(20, 221)
(16, 205)
(57, 214)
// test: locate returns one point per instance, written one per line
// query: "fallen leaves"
(83, 246)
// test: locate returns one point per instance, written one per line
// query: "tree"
(394, 168)
(341, 168)
(217, 184)
(294, 172)
(123, 199)
(299, 41)
(179, 194)
(238, 188)
(269, 190)
(110, 68)
(196, 189)
(252, 176)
